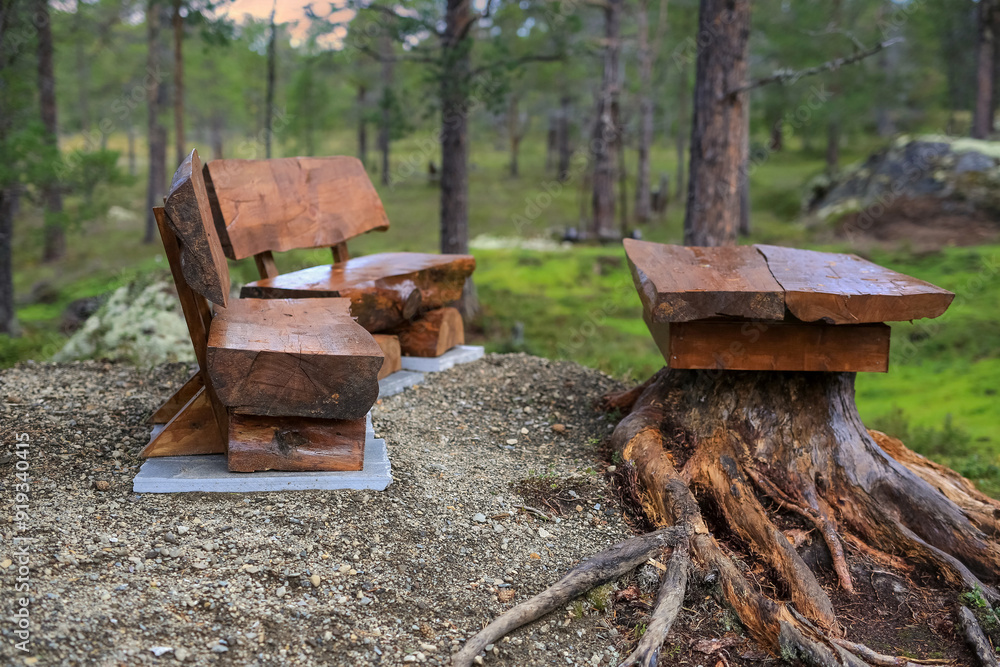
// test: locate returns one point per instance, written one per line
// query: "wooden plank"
(266, 268)
(845, 289)
(340, 253)
(385, 290)
(178, 400)
(774, 346)
(288, 203)
(393, 355)
(680, 284)
(190, 217)
(286, 443)
(433, 334)
(304, 358)
(192, 430)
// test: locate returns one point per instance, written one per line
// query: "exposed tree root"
(976, 638)
(668, 605)
(595, 571)
(731, 451)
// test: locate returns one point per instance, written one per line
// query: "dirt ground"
(364, 578)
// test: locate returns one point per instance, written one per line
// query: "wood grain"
(774, 346)
(433, 334)
(845, 289)
(680, 284)
(190, 217)
(178, 400)
(304, 358)
(393, 354)
(295, 444)
(385, 289)
(288, 203)
(192, 430)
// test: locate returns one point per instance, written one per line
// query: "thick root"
(668, 605)
(976, 639)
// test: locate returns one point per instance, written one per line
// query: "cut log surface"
(190, 217)
(287, 203)
(774, 346)
(385, 289)
(193, 430)
(680, 284)
(295, 444)
(393, 355)
(436, 332)
(303, 358)
(845, 289)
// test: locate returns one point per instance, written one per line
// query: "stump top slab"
(763, 282)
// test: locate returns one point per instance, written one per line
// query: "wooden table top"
(765, 282)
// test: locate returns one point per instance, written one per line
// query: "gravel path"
(333, 578)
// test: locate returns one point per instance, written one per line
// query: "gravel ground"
(335, 578)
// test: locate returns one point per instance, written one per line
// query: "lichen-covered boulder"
(139, 323)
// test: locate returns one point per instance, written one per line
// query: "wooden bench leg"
(393, 354)
(180, 398)
(295, 443)
(193, 430)
(432, 334)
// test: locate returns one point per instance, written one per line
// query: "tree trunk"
(605, 138)
(718, 129)
(777, 142)
(563, 139)
(8, 205)
(216, 134)
(178, 25)
(551, 142)
(157, 134)
(456, 47)
(385, 124)
(362, 126)
(272, 56)
(642, 176)
(832, 144)
(55, 234)
(680, 138)
(513, 134)
(132, 169)
(745, 175)
(982, 113)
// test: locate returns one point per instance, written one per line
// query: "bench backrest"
(189, 216)
(283, 204)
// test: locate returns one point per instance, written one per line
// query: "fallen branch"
(668, 605)
(976, 638)
(533, 510)
(595, 571)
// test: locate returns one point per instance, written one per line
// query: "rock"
(182, 530)
(479, 517)
(6, 563)
(160, 650)
(181, 654)
(314, 580)
(219, 648)
(102, 485)
(511, 441)
(170, 537)
(428, 648)
(542, 533)
(280, 592)
(559, 428)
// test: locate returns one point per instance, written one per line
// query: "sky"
(286, 11)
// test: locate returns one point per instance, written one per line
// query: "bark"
(216, 134)
(385, 124)
(777, 143)
(8, 205)
(178, 26)
(132, 169)
(982, 113)
(605, 134)
(455, 60)
(832, 144)
(680, 142)
(55, 235)
(551, 141)
(745, 176)
(643, 186)
(718, 129)
(157, 134)
(563, 139)
(362, 125)
(515, 132)
(272, 44)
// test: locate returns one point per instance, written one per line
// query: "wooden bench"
(265, 206)
(282, 384)
(765, 307)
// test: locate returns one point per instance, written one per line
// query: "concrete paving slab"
(460, 354)
(397, 382)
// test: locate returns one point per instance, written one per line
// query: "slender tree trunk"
(216, 134)
(55, 235)
(513, 134)
(605, 138)
(832, 144)
(680, 138)
(982, 116)
(745, 175)
(385, 124)
(551, 142)
(563, 139)
(642, 175)
(777, 142)
(8, 205)
(132, 169)
(157, 134)
(362, 125)
(82, 71)
(456, 49)
(269, 104)
(718, 129)
(178, 25)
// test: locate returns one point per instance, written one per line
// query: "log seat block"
(385, 290)
(432, 334)
(293, 358)
(295, 444)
